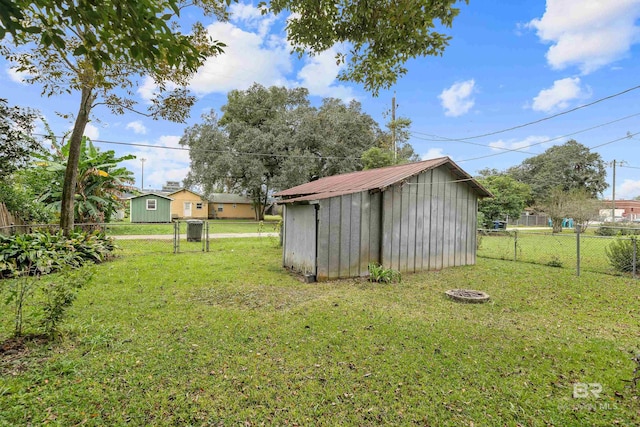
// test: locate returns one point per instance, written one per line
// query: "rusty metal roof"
(372, 179)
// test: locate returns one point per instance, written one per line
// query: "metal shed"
(412, 217)
(150, 207)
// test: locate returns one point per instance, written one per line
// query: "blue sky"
(509, 63)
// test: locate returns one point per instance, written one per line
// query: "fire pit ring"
(467, 295)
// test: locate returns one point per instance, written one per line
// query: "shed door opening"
(187, 209)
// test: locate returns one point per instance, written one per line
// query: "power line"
(241, 153)
(591, 148)
(521, 150)
(552, 116)
(445, 139)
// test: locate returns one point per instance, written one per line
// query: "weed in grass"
(380, 274)
(555, 262)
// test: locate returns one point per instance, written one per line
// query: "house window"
(151, 204)
(198, 205)
(220, 207)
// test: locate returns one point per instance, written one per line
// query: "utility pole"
(142, 160)
(613, 196)
(393, 127)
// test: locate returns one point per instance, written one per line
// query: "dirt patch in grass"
(263, 298)
(15, 353)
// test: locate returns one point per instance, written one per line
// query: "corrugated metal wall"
(429, 223)
(348, 235)
(299, 239)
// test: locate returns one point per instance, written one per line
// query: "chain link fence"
(616, 255)
(175, 237)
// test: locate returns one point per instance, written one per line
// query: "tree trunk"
(557, 225)
(71, 173)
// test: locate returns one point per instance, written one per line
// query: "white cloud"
(255, 53)
(457, 100)
(17, 76)
(319, 74)
(249, 57)
(588, 33)
(433, 153)
(91, 132)
(161, 165)
(629, 189)
(137, 127)
(515, 144)
(559, 95)
(148, 88)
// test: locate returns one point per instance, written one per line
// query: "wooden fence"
(6, 219)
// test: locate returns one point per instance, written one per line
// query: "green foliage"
(380, 35)
(555, 262)
(376, 157)
(16, 142)
(510, 198)
(23, 202)
(58, 295)
(18, 292)
(621, 254)
(296, 142)
(568, 166)
(617, 229)
(101, 181)
(43, 301)
(43, 252)
(380, 274)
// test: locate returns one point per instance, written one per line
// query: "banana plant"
(101, 181)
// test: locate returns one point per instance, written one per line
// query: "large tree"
(92, 51)
(271, 138)
(509, 197)
(568, 166)
(93, 48)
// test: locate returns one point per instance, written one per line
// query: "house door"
(187, 209)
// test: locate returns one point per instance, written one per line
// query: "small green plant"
(19, 291)
(380, 274)
(621, 254)
(555, 262)
(58, 295)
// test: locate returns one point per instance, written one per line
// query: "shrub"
(44, 252)
(377, 273)
(615, 229)
(58, 295)
(45, 301)
(621, 252)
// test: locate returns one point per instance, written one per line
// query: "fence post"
(515, 245)
(176, 237)
(207, 231)
(578, 229)
(635, 256)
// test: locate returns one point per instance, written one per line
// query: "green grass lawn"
(549, 249)
(230, 338)
(215, 226)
